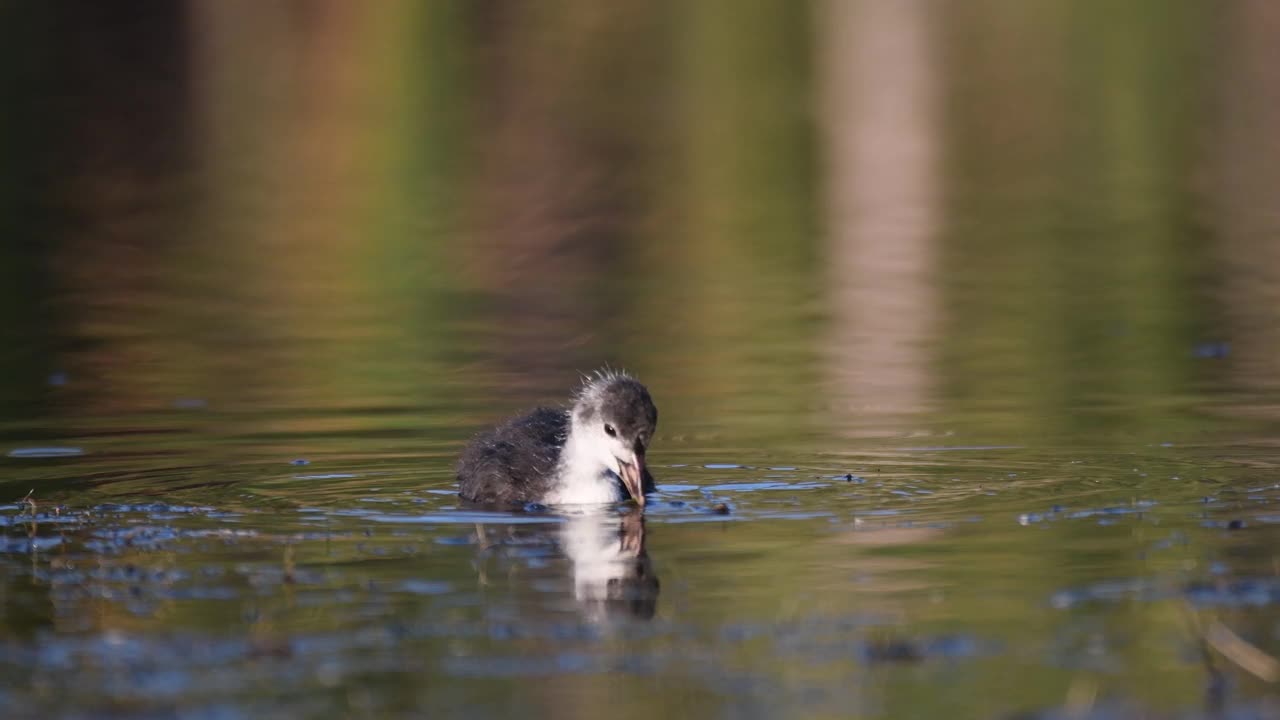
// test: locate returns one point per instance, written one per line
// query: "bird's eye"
(610, 431)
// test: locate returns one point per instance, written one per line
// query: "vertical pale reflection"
(1245, 177)
(880, 120)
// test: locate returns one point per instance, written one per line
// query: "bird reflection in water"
(612, 573)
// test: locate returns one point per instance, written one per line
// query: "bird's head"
(617, 419)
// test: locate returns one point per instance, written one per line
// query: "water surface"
(960, 318)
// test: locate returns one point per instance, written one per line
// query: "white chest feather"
(583, 478)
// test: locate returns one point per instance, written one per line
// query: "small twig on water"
(1242, 652)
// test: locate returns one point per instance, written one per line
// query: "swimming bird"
(592, 452)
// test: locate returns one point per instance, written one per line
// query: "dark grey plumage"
(519, 461)
(515, 462)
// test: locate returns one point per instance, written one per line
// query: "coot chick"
(592, 452)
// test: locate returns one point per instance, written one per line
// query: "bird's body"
(591, 453)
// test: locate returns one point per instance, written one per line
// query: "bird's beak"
(633, 478)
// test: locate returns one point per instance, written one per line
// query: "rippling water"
(837, 582)
(961, 321)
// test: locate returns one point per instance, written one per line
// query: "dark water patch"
(918, 650)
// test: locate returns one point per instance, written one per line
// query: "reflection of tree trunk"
(1245, 187)
(118, 124)
(882, 201)
(551, 189)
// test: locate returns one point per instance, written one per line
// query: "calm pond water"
(961, 318)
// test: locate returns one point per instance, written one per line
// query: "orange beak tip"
(633, 479)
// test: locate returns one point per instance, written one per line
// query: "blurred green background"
(822, 211)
